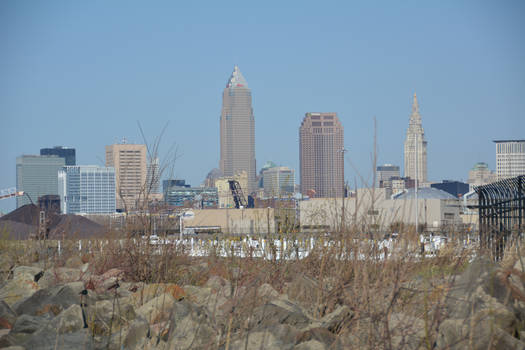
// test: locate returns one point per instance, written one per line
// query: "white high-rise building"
(416, 147)
(87, 189)
(278, 181)
(510, 158)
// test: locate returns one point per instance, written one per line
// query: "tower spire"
(415, 105)
(416, 146)
(237, 79)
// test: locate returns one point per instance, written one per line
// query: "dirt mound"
(22, 222)
(75, 226)
(26, 214)
(16, 230)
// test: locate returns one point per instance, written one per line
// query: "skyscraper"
(87, 189)
(238, 130)
(321, 140)
(510, 158)
(65, 152)
(416, 146)
(129, 161)
(37, 176)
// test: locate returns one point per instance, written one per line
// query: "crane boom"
(9, 193)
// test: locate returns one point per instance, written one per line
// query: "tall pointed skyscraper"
(238, 130)
(416, 146)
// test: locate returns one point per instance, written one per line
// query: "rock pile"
(72, 308)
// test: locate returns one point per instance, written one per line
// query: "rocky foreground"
(72, 308)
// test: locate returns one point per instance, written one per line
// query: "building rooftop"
(424, 193)
(269, 164)
(480, 166)
(500, 141)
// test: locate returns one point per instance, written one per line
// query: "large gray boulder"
(59, 275)
(219, 285)
(310, 345)
(22, 330)
(279, 336)
(456, 334)
(484, 308)
(157, 309)
(30, 270)
(136, 334)
(28, 324)
(267, 292)
(19, 288)
(338, 319)
(317, 334)
(215, 300)
(260, 340)
(107, 317)
(50, 300)
(305, 291)
(69, 320)
(279, 311)
(48, 338)
(191, 327)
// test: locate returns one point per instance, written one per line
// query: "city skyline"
(69, 82)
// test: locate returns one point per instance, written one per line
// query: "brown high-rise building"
(130, 166)
(321, 142)
(238, 130)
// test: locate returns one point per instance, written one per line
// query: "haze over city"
(83, 75)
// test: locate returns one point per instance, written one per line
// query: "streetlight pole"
(343, 150)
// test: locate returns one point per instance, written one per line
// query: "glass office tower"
(37, 176)
(87, 189)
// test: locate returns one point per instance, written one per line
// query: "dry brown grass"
(385, 295)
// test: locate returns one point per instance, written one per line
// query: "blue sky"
(83, 73)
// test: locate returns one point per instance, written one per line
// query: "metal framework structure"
(501, 213)
(238, 196)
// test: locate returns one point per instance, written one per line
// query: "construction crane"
(238, 196)
(10, 192)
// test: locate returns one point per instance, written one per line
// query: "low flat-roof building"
(258, 221)
(375, 209)
(180, 194)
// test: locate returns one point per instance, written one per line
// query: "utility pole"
(343, 151)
